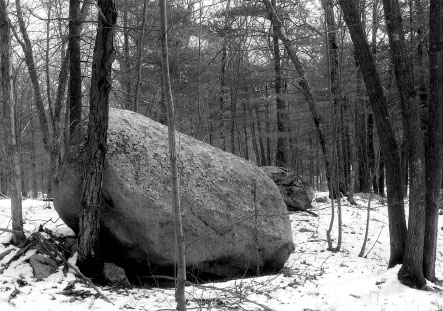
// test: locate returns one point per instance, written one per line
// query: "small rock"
(115, 275)
(324, 199)
(305, 230)
(42, 266)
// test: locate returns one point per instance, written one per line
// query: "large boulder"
(297, 193)
(223, 238)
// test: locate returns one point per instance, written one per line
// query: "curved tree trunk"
(304, 84)
(90, 261)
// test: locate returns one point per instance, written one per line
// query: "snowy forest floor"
(313, 278)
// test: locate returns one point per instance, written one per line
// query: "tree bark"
(280, 157)
(221, 97)
(245, 132)
(89, 260)
(434, 138)
(411, 272)
(181, 269)
(420, 43)
(140, 58)
(33, 162)
(126, 63)
(396, 213)
(333, 67)
(9, 127)
(75, 78)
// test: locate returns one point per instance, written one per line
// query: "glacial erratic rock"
(297, 193)
(218, 208)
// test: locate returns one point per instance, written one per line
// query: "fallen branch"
(265, 308)
(366, 256)
(53, 253)
(6, 253)
(10, 230)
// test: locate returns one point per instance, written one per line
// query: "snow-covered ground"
(313, 279)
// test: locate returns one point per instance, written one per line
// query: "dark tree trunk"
(9, 127)
(396, 213)
(140, 58)
(126, 63)
(75, 76)
(254, 135)
(233, 119)
(90, 261)
(371, 153)
(404, 165)
(333, 67)
(411, 272)
(304, 84)
(433, 139)
(263, 161)
(381, 178)
(280, 157)
(221, 98)
(268, 133)
(245, 132)
(420, 42)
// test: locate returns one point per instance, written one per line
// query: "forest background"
(234, 86)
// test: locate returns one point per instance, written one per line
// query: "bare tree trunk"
(396, 213)
(304, 84)
(140, 58)
(33, 162)
(245, 131)
(233, 118)
(126, 64)
(221, 98)
(254, 134)
(263, 159)
(434, 138)
(29, 59)
(75, 75)
(281, 155)
(333, 67)
(181, 271)
(10, 130)
(421, 44)
(89, 260)
(411, 272)
(47, 59)
(268, 134)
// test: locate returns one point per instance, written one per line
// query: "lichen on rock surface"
(218, 207)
